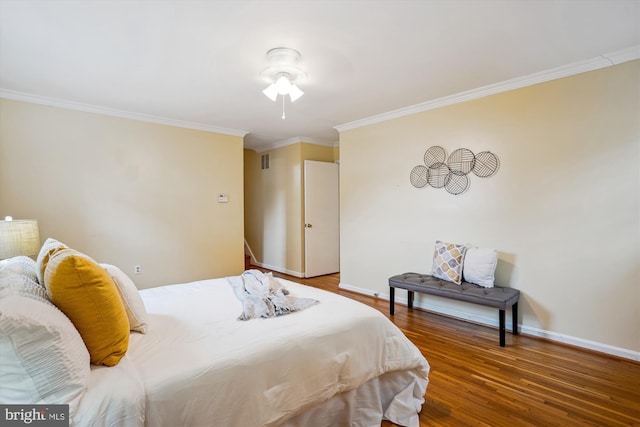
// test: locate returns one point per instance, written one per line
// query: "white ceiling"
(200, 61)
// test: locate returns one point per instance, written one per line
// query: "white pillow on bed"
(22, 265)
(42, 355)
(133, 304)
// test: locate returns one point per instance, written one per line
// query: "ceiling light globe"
(283, 85)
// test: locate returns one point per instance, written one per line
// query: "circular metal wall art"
(461, 161)
(438, 175)
(419, 176)
(453, 173)
(486, 164)
(456, 184)
(434, 156)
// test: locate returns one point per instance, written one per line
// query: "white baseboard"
(524, 329)
(280, 270)
(579, 342)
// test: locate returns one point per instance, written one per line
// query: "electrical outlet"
(137, 269)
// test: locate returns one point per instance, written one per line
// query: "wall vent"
(264, 161)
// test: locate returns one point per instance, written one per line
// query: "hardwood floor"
(530, 382)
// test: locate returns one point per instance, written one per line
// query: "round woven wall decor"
(419, 176)
(461, 161)
(434, 156)
(486, 164)
(456, 184)
(438, 175)
(453, 172)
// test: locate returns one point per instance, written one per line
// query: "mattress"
(339, 362)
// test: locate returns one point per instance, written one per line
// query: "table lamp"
(19, 237)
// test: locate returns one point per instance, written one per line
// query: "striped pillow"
(42, 355)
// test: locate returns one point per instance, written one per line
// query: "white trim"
(602, 61)
(280, 144)
(280, 270)
(579, 342)
(254, 261)
(88, 108)
(363, 291)
(624, 55)
(291, 141)
(483, 320)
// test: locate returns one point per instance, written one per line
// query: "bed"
(336, 363)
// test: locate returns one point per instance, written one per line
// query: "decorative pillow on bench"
(479, 266)
(454, 263)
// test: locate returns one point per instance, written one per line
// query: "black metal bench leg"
(392, 292)
(514, 313)
(502, 328)
(410, 299)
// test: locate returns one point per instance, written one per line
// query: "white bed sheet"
(201, 366)
(115, 397)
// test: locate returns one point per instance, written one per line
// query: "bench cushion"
(497, 296)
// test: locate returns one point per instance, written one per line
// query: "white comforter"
(198, 365)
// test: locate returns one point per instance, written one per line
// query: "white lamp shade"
(271, 92)
(19, 237)
(283, 85)
(295, 93)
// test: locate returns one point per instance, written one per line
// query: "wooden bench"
(498, 297)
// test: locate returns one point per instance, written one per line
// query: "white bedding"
(337, 361)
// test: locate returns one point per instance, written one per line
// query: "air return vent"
(264, 161)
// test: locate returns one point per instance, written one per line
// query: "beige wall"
(274, 214)
(125, 192)
(563, 210)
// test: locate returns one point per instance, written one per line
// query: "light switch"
(223, 198)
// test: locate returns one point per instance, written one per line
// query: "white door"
(321, 218)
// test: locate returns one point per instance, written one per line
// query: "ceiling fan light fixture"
(283, 84)
(295, 93)
(271, 92)
(283, 74)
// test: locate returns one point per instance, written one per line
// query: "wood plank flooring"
(530, 382)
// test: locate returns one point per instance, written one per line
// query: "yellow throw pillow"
(87, 294)
(49, 247)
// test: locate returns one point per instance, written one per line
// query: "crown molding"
(291, 141)
(316, 141)
(88, 108)
(606, 60)
(624, 55)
